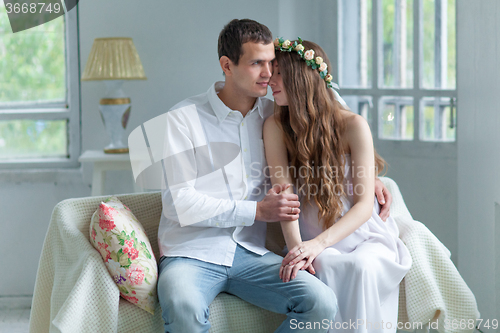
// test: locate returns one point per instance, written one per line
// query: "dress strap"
(337, 96)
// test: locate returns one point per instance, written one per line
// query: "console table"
(102, 163)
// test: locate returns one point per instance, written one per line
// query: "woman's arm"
(359, 139)
(360, 142)
(277, 161)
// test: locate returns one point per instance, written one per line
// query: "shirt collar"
(220, 109)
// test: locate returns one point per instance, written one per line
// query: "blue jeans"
(186, 287)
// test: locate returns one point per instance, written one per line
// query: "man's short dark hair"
(238, 32)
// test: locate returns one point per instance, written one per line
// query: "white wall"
(177, 43)
(478, 41)
(428, 184)
(429, 187)
(26, 205)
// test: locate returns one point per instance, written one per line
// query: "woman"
(327, 152)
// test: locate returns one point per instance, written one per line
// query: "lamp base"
(115, 113)
(116, 151)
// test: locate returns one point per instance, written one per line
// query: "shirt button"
(245, 198)
(242, 124)
(247, 176)
(245, 150)
(217, 224)
(243, 223)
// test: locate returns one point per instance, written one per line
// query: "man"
(216, 204)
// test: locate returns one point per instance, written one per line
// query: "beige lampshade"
(113, 59)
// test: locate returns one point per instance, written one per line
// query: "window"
(397, 67)
(39, 94)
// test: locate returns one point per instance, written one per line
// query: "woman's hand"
(303, 251)
(289, 272)
(384, 198)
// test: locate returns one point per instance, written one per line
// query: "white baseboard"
(18, 302)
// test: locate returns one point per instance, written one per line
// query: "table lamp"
(114, 60)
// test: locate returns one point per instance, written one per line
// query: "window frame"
(69, 111)
(417, 146)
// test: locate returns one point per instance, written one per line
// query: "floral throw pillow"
(117, 234)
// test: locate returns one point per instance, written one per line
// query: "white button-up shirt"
(215, 170)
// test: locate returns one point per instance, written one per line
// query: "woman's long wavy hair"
(313, 130)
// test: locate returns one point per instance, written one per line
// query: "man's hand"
(384, 198)
(289, 272)
(278, 206)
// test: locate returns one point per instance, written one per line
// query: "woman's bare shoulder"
(354, 122)
(271, 120)
(357, 131)
(271, 124)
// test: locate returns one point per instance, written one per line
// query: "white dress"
(364, 269)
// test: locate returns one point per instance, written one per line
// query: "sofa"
(75, 293)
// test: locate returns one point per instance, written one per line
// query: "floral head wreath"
(308, 57)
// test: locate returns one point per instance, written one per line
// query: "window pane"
(428, 123)
(388, 125)
(397, 32)
(451, 82)
(437, 124)
(361, 105)
(428, 43)
(439, 44)
(396, 122)
(33, 138)
(32, 62)
(355, 43)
